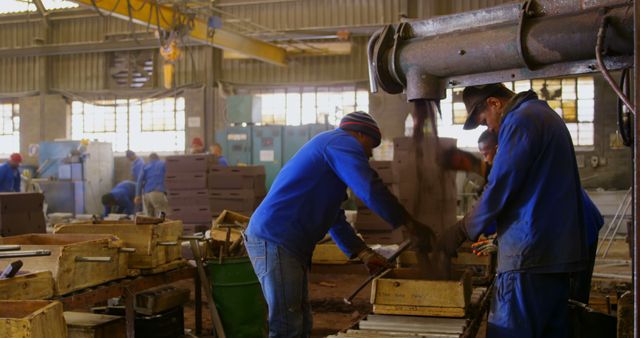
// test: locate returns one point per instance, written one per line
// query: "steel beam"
(636, 180)
(166, 18)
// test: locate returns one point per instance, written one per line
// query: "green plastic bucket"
(238, 297)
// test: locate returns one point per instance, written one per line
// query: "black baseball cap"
(474, 96)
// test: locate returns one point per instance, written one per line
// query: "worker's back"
(305, 197)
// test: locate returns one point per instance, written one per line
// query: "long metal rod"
(636, 181)
(615, 217)
(613, 235)
(404, 246)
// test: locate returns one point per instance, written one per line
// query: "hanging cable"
(605, 71)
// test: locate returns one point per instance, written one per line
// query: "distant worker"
(9, 174)
(150, 187)
(137, 164)
(487, 146)
(197, 146)
(120, 199)
(216, 150)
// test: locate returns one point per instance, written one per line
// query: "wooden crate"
(30, 286)
(32, 319)
(399, 292)
(329, 253)
(70, 273)
(155, 244)
(91, 325)
(228, 217)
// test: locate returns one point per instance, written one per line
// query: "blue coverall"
(124, 193)
(136, 169)
(301, 206)
(534, 198)
(9, 178)
(222, 161)
(151, 178)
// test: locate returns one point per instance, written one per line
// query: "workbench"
(127, 288)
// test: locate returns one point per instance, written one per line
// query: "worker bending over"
(534, 198)
(120, 199)
(150, 187)
(10, 175)
(303, 204)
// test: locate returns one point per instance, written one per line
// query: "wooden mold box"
(399, 292)
(68, 261)
(29, 286)
(32, 319)
(91, 325)
(228, 217)
(329, 253)
(155, 244)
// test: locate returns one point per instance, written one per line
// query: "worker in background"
(136, 165)
(197, 146)
(216, 150)
(150, 187)
(487, 146)
(534, 197)
(304, 203)
(120, 199)
(9, 174)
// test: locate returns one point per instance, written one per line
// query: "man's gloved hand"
(485, 247)
(452, 238)
(422, 236)
(373, 261)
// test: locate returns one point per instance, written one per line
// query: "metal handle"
(168, 243)
(97, 259)
(127, 250)
(191, 237)
(25, 253)
(10, 247)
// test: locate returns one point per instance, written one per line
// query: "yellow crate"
(401, 292)
(329, 253)
(30, 286)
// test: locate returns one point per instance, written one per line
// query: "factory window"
(9, 129)
(142, 125)
(571, 98)
(297, 106)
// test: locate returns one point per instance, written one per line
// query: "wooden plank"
(419, 311)
(177, 264)
(30, 286)
(91, 325)
(32, 318)
(398, 287)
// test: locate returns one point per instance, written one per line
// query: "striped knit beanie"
(363, 123)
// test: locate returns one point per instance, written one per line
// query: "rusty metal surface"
(636, 181)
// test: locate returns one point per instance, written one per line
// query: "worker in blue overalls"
(9, 174)
(120, 199)
(137, 164)
(150, 187)
(303, 204)
(534, 198)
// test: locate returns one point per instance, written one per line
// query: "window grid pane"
(9, 128)
(142, 125)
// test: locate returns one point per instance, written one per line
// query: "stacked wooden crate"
(426, 190)
(239, 189)
(199, 189)
(368, 224)
(21, 213)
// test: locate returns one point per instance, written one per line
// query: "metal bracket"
(397, 38)
(378, 64)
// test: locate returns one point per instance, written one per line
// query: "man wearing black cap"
(303, 204)
(534, 198)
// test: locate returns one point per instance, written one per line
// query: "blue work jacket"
(124, 193)
(152, 178)
(304, 200)
(592, 218)
(136, 168)
(534, 193)
(9, 178)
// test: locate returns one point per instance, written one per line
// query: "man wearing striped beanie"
(303, 204)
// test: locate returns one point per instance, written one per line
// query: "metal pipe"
(422, 58)
(97, 259)
(25, 253)
(636, 181)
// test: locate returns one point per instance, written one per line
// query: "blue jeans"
(284, 281)
(530, 305)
